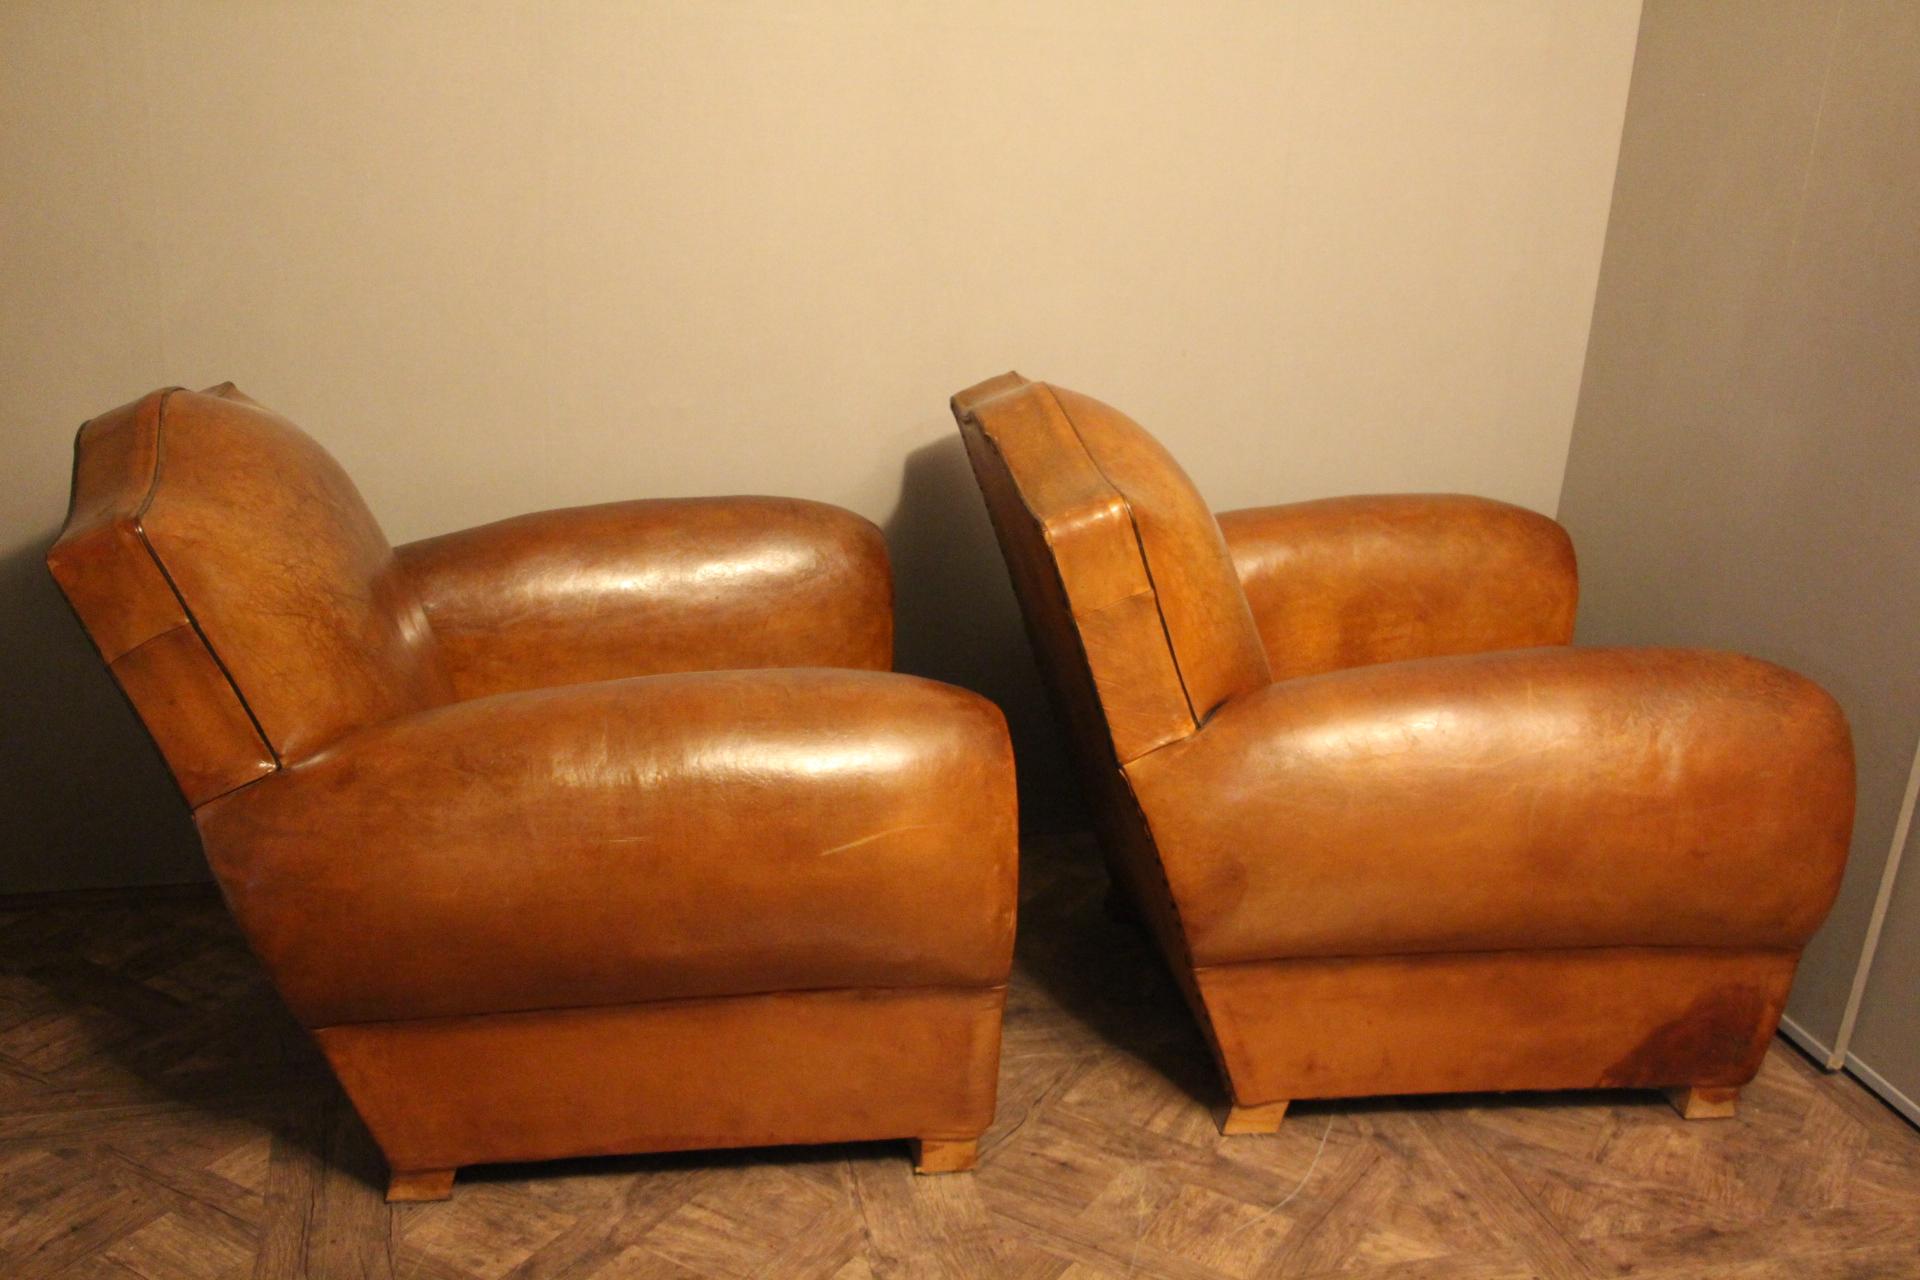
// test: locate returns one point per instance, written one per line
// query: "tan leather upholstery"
(641, 588)
(1344, 582)
(1406, 840)
(596, 830)
(1527, 798)
(795, 1066)
(311, 620)
(717, 833)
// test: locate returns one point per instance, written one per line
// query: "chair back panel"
(237, 586)
(1131, 599)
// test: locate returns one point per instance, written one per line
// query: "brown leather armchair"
(601, 830)
(1391, 832)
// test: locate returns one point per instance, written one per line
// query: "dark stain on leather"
(1712, 1043)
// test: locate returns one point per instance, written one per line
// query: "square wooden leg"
(1262, 1118)
(945, 1155)
(1704, 1102)
(408, 1186)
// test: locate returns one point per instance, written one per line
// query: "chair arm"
(661, 585)
(1346, 582)
(1550, 797)
(656, 838)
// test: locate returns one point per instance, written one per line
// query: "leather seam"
(1140, 548)
(138, 523)
(1165, 882)
(1362, 958)
(669, 1001)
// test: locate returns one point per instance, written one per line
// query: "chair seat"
(1538, 798)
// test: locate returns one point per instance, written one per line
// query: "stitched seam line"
(140, 529)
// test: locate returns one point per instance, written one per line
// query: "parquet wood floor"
(162, 1117)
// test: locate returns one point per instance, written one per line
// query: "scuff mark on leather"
(878, 835)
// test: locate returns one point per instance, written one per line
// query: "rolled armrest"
(1550, 797)
(663, 837)
(1346, 582)
(653, 586)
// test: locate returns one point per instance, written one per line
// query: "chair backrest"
(1136, 614)
(237, 586)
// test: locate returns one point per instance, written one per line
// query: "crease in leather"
(1094, 613)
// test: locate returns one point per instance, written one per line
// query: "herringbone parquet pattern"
(161, 1117)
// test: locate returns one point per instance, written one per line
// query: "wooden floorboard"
(162, 1117)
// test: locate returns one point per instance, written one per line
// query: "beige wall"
(1745, 468)
(503, 257)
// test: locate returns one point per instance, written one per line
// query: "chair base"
(1623, 1018)
(744, 1071)
(1704, 1103)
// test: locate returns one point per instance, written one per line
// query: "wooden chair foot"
(1704, 1102)
(945, 1155)
(410, 1186)
(1263, 1118)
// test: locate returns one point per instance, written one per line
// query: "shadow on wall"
(956, 620)
(88, 800)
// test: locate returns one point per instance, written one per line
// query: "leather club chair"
(1392, 834)
(600, 830)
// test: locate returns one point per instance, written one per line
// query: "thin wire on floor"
(1139, 1235)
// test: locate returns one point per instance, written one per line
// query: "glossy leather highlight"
(654, 586)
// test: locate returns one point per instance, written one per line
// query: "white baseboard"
(1820, 1051)
(1884, 1087)
(1866, 1075)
